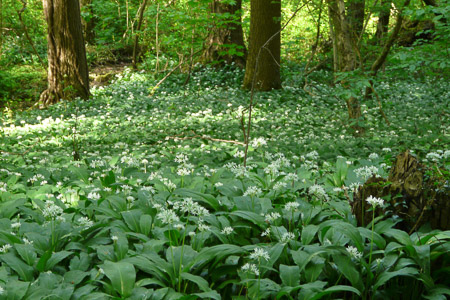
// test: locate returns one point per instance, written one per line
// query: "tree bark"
(138, 29)
(344, 54)
(67, 66)
(226, 40)
(356, 15)
(265, 17)
(383, 21)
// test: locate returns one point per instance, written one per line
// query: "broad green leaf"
(336, 288)
(348, 269)
(24, 271)
(199, 281)
(308, 233)
(209, 295)
(249, 216)
(56, 258)
(27, 253)
(16, 290)
(122, 276)
(386, 276)
(290, 275)
(132, 218)
(145, 224)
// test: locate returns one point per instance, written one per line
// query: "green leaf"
(401, 236)
(348, 269)
(132, 218)
(308, 233)
(145, 223)
(27, 253)
(205, 198)
(209, 295)
(122, 276)
(56, 258)
(16, 290)
(24, 271)
(386, 276)
(290, 275)
(336, 288)
(75, 277)
(199, 281)
(249, 216)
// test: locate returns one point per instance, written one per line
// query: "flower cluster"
(374, 201)
(259, 253)
(354, 253)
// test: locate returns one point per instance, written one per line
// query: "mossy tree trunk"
(356, 13)
(265, 22)
(344, 54)
(226, 39)
(383, 21)
(67, 65)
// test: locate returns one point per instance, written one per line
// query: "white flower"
(115, 238)
(373, 156)
(183, 172)
(85, 222)
(15, 225)
(259, 253)
(167, 216)
(288, 236)
(354, 253)
(253, 191)
(434, 157)
(94, 196)
(203, 227)
(386, 150)
(272, 217)
(181, 158)
(227, 230)
(218, 184)
(375, 201)
(279, 185)
(291, 206)
(239, 154)
(2, 291)
(51, 210)
(27, 242)
(266, 232)
(318, 191)
(252, 268)
(366, 172)
(5, 248)
(258, 142)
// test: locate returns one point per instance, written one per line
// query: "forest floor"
(107, 175)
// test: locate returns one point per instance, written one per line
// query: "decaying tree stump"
(415, 196)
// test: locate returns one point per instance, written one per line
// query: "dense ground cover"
(159, 205)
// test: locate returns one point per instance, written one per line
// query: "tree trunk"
(356, 17)
(265, 17)
(345, 56)
(138, 29)
(383, 21)
(226, 40)
(88, 24)
(67, 66)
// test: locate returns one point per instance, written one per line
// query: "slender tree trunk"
(226, 39)
(138, 29)
(383, 21)
(67, 66)
(345, 55)
(265, 21)
(1, 28)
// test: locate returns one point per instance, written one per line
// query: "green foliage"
(157, 209)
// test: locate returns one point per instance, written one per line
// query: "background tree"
(265, 21)
(226, 39)
(67, 66)
(87, 21)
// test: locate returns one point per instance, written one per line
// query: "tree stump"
(417, 195)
